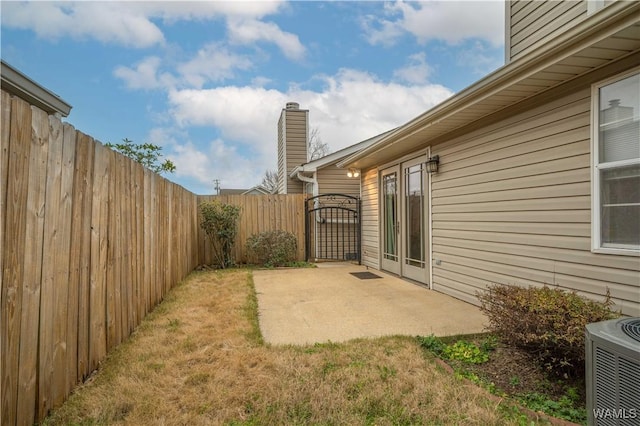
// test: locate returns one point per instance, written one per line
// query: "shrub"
(548, 323)
(272, 248)
(220, 223)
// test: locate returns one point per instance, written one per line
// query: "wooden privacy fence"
(259, 213)
(89, 243)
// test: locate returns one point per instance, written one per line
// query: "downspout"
(313, 181)
(307, 179)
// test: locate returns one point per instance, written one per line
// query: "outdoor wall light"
(432, 164)
(353, 173)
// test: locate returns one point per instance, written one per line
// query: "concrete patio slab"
(301, 306)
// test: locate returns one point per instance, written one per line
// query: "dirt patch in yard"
(198, 359)
(514, 373)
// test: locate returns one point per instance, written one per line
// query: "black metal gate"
(332, 227)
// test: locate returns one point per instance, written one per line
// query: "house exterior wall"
(370, 219)
(332, 180)
(292, 147)
(511, 204)
(531, 24)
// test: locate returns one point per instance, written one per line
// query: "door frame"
(393, 266)
(416, 273)
(397, 165)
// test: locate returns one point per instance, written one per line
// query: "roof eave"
(504, 77)
(18, 84)
(303, 168)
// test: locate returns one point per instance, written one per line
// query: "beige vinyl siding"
(332, 180)
(511, 205)
(370, 219)
(296, 150)
(282, 175)
(292, 148)
(533, 23)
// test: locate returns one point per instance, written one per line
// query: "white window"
(616, 165)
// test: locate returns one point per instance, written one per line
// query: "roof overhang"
(18, 84)
(607, 36)
(335, 157)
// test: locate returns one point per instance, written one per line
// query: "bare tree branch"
(317, 148)
(270, 181)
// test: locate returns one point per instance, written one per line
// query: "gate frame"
(313, 210)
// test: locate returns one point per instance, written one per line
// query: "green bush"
(433, 344)
(548, 323)
(272, 248)
(220, 223)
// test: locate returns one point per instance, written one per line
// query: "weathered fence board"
(33, 262)
(99, 265)
(5, 133)
(14, 241)
(259, 213)
(48, 303)
(81, 244)
(66, 352)
(90, 242)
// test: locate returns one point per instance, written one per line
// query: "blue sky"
(207, 80)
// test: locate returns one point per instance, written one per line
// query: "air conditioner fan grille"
(631, 327)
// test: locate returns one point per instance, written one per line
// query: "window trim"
(596, 228)
(594, 5)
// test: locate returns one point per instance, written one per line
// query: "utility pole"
(216, 186)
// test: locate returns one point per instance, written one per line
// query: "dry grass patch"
(198, 359)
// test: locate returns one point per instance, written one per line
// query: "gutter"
(307, 179)
(18, 84)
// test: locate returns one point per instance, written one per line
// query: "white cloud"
(416, 72)
(145, 75)
(192, 163)
(198, 165)
(381, 31)
(166, 137)
(217, 160)
(198, 10)
(109, 22)
(356, 105)
(450, 21)
(249, 31)
(214, 62)
(132, 23)
(352, 106)
(245, 114)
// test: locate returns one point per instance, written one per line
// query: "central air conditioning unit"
(613, 372)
